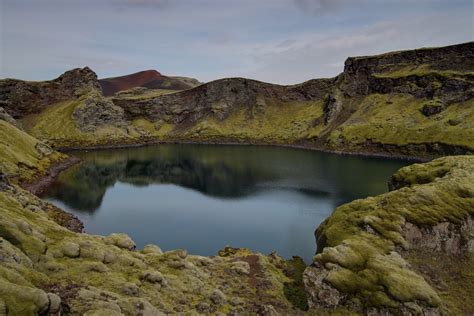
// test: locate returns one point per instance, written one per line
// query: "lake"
(204, 197)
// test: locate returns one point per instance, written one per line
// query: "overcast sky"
(280, 41)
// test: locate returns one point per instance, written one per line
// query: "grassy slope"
(20, 158)
(280, 123)
(366, 264)
(276, 123)
(150, 93)
(396, 119)
(56, 126)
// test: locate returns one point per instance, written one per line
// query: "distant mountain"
(150, 79)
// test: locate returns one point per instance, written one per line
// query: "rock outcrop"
(95, 112)
(221, 98)
(369, 250)
(20, 98)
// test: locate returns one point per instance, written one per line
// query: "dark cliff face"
(220, 98)
(20, 98)
(418, 72)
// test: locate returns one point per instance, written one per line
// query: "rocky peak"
(78, 78)
(20, 98)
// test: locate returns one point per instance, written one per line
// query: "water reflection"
(264, 198)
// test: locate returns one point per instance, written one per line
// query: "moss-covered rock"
(362, 244)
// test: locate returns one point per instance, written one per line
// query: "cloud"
(319, 7)
(126, 5)
(269, 40)
(152, 3)
(316, 55)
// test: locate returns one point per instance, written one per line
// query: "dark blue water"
(202, 198)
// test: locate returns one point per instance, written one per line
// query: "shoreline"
(379, 155)
(39, 185)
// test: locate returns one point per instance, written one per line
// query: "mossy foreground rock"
(372, 250)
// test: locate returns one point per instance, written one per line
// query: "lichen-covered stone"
(240, 267)
(54, 305)
(152, 276)
(217, 297)
(152, 249)
(97, 111)
(71, 250)
(121, 241)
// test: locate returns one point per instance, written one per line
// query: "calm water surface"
(202, 198)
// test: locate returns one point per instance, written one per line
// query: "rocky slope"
(150, 79)
(412, 103)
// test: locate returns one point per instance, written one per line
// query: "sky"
(278, 41)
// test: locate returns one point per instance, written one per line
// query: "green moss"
(283, 123)
(56, 126)
(397, 120)
(147, 94)
(21, 159)
(360, 238)
(419, 70)
(294, 291)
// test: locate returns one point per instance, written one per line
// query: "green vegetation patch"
(397, 120)
(56, 126)
(280, 123)
(23, 158)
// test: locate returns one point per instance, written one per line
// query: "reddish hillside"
(151, 79)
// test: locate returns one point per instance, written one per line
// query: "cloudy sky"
(280, 41)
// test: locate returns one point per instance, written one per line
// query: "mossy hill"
(411, 103)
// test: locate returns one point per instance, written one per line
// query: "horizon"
(282, 42)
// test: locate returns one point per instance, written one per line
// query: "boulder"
(97, 111)
(120, 240)
(217, 297)
(152, 249)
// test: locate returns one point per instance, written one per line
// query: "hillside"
(413, 103)
(150, 79)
